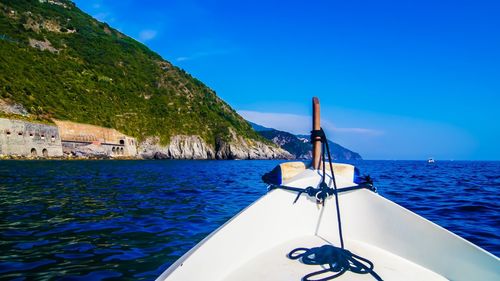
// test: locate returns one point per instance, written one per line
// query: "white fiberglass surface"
(274, 265)
(393, 237)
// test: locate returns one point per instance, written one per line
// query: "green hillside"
(61, 63)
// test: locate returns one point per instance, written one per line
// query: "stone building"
(100, 140)
(24, 138)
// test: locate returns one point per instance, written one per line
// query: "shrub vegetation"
(94, 74)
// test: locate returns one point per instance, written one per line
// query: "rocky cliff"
(60, 63)
(194, 147)
(240, 148)
(300, 146)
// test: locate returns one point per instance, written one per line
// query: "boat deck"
(402, 245)
(274, 265)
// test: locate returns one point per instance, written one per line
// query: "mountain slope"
(59, 62)
(300, 145)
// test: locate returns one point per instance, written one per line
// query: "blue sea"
(94, 220)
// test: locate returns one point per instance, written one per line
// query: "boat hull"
(402, 245)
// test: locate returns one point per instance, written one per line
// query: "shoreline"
(71, 158)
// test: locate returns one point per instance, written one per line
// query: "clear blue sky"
(396, 79)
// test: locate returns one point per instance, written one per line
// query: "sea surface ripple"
(95, 220)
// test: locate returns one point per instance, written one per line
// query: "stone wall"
(130, 146)
(105, 150)
(23, 138)
(87, 133)
(99, 139)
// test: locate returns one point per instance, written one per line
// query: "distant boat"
(430, 160)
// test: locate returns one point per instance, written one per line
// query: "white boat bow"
(256, 243)
(402, 245)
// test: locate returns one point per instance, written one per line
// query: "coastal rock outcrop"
(180, 147)
(88, 151)
(194, 147)
(300, 146)
(9, 107)
(239, 148)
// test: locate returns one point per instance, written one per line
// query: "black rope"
(339, 260)
(330, 160)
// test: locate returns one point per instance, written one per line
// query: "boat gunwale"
(304, 177)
